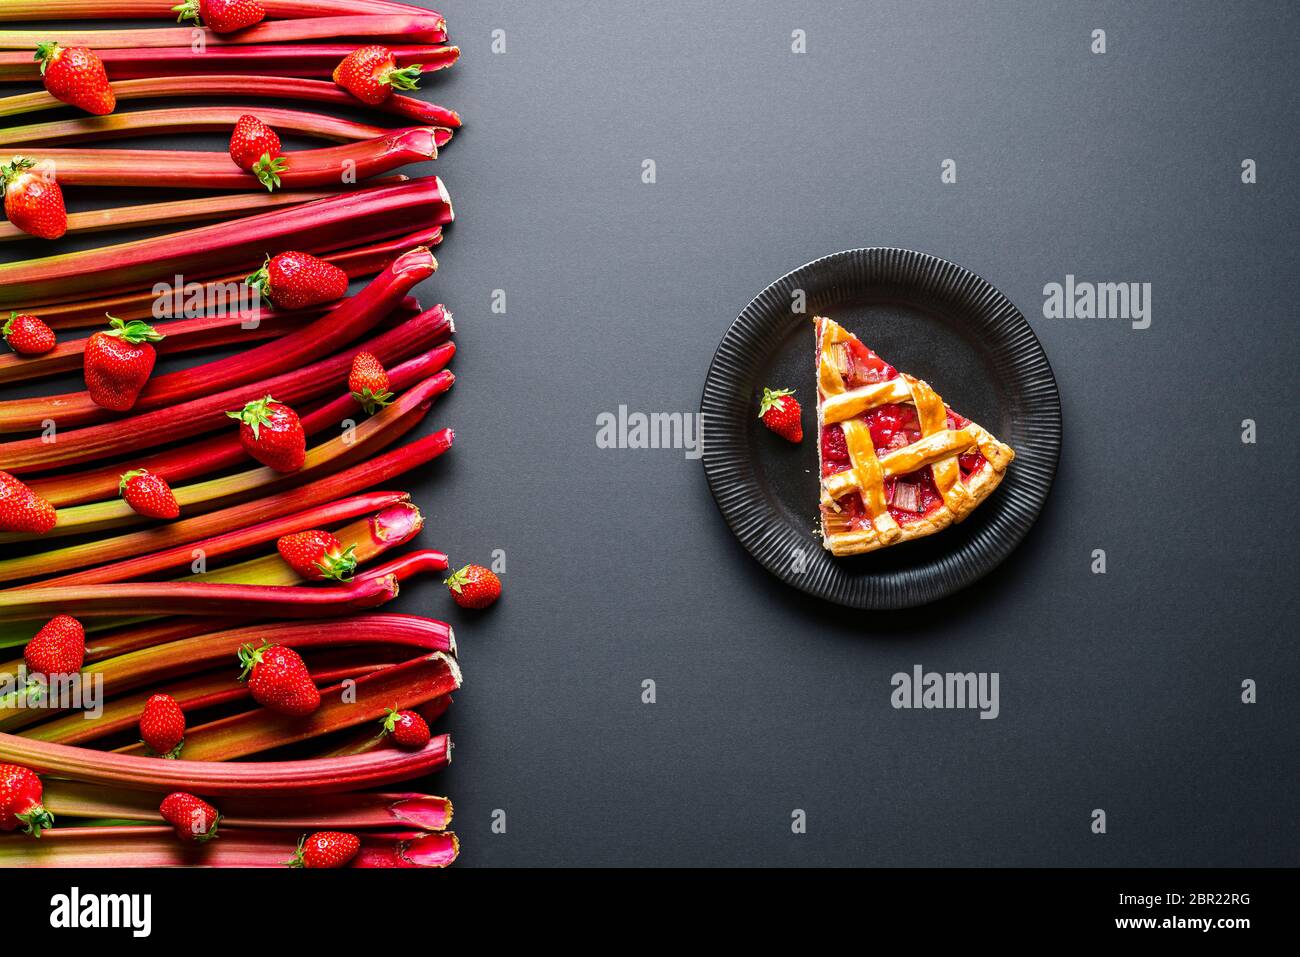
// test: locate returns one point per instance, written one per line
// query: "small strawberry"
(298, 280)
(368, 382)
(326, 849)
(221, 16)
(409, 730)
(317, 555)
(193, 818)
(119, 362)
(27, 335)
(255, 147)
(780, 413)
(20, 801)
(278, 679)
(162, 726)
(76, 76)
(22, 510)
(271, 432)
(33, 201)
(148, 494)
(59, 648)
(371, 74)
(474, 587)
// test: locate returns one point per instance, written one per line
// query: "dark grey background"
(1118, 691)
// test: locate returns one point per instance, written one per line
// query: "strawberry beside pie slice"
(896, 462)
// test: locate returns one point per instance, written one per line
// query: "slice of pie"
(896, 462)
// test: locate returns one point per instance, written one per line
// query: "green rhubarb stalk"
(143, 846)
(427, 812)
(342, 706)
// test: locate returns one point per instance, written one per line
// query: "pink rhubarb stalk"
(417, 112)
(347, 220)
(340, 812)
(413, 27)
(351, 319)
(305, 60)
(180, 169)
(216, 778)
(128, 846)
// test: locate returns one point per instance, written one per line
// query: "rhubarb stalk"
(169, 88)
(123, 846)
(17, 11)
(180, 169)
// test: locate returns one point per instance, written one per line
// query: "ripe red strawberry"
(474, 587)
(780, 413)
(27, 335)
(298, 280)
(326, 849)
(148, 494)
(59, 648)
(270, 432)
(22, 510)
(278, 679)
(21, 793)
(76, 76)
(162, 726)
(408, 729)
(370, 74)
(33, 201)
(221, 16)
(193, 818)
(369, 383)
(255, 147)
(119, 362)
(317, 555)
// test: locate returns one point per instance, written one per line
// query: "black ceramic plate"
(925, 316)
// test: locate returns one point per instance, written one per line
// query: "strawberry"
(408, 729)
(162, 726)
(474, 587)
(27, 335)
(278, 679)
(76, 76)
(317, 555)
(270, 432)
(780, 411)
(298, 280)
(255, 147)
(326, 849)
(148, 494)
(22, 510)
(20, 801)
(368, 382)
(221, 16)
(371, 74)
(59, 648)
(33, 201)
(193, 818)
(119, 362)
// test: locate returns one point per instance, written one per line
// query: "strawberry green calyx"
(127, 476)
(189, 10)
(261, 280)
(45, 52)
(338, 566)
(406, 78)
(372, 402)
(250, 657)
(255, 415)
(772, 397)
(9, 324)
(15, 168)
(268, 170)
(134, 332)
(457, 580)
(389, 721)
(36, 818)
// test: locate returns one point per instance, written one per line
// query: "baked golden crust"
(938, 447)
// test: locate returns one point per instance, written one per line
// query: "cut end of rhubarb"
(434, 850)
(398, 524)
(452, 667)
(445, 197)
(429, 813)
(451, 640)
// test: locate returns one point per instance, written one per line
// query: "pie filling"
(910, 497)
